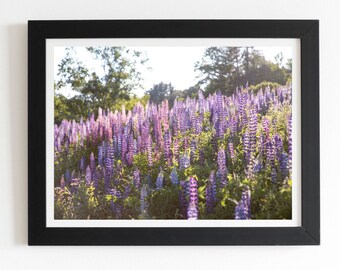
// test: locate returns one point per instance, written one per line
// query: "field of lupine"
(212, 157)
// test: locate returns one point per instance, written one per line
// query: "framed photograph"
(173, 132)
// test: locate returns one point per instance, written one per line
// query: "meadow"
(207, 157)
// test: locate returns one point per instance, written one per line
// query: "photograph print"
(172, 133)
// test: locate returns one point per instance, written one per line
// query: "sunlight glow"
(175, 65)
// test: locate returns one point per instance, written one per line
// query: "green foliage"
(63, 109)
(83, 204)
(94, 90)
(129, 104)
(263, 85)
(160, 92)
(226, 68)
(164, 204)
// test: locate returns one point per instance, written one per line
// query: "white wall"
(14, 252)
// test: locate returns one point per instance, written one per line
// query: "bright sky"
(173, 65)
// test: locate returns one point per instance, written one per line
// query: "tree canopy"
(159, 92)
(105, 88)
(226, 68)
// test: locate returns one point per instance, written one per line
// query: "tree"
(104, 88)
(289, 68)
(221, 69)
(176, 94)
(192, 91)
(61, 109)
(160, 92)
(226, 68)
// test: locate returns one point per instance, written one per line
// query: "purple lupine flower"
(218, 176)
(159, 180)
(192, 211)
(290, 143)
(68, 176)
(82, 164)
(243, 208)
(95, 178)
(98, 132)
(192, 190)
(257, 166)
(232, 126)
(211, 193)
(129, 158)
(231, 150)
(220, 121)
(246, 147)
(57, 145)
(242, 110)
(265, 126)
(130, 142)
(252, 127)
(119, 144)
(100, 155)
(262, 144)
(278, 144)
(104, 150)
(201, 157)
(145, 134)
(88, 176)
(175, 126)
(108, 130)
(220, 128)
(92, 163)
(157, 131)
(158, 125)
(270, 153)
(219, 100)
(167, 145)
(184, 162)
(115, 146)
(174, 176)
(124, 146)
(184, 122)
(222, 167)
(185, 143)
(136, 178)
(284, 164)
(214, 119)
(111, 152)
(198, 124)
(175, 148)
(135, 147)
(149, 151)
(127, 191)
(108, 172)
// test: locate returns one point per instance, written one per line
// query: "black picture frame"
(305, 30)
